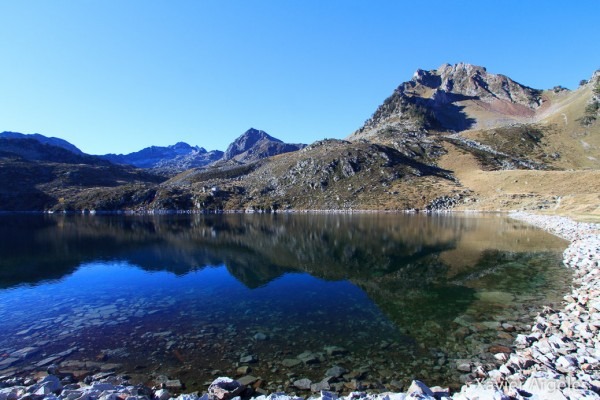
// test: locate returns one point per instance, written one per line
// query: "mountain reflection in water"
(439, 280)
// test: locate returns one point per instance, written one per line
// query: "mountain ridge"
(457, 137)
(54, 141)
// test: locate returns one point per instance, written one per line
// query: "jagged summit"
(245, 142)
(452, 98)
(474, 81)
(167, 159)
(255, 144)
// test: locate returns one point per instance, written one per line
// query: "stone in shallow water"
(320, 386)
(7, 362)
(47, 361)
(260, 336)
(309, 358)
(335, 350)
(497, 348)
(25, 352)
(291, 362)
(336, 371)
(249, 359)
(463, 365)
(495, 297)
(303, 384)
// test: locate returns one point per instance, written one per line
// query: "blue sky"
(117, 76)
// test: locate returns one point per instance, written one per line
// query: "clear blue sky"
(120, 75)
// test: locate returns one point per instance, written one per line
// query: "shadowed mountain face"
(35, 176)
(42, 139)
(32, 149)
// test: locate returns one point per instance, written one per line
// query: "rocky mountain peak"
(448, 99)
(184, 148)
(474, 81)
(246, 141)
(255, 144)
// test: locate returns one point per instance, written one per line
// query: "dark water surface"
(389, 298)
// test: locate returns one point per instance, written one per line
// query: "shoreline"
(559, 359)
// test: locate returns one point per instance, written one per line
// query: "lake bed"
(354, 301)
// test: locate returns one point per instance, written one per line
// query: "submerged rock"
(309, 358)
(291, 362)
(303, 384)
(260, 336)
(336, 371)
(224, 388)
(250, 359)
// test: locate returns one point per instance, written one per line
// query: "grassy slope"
(574, 191)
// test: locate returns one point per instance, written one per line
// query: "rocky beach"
(558, 358)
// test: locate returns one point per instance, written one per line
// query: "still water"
(388, 298)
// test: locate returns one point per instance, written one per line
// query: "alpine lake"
(362, 301)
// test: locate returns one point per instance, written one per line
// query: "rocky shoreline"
(558, 359)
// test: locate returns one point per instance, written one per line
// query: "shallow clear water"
(400, 296)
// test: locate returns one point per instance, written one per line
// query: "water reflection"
(391, 287)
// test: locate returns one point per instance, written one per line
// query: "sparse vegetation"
(593, 107)
(559, 88)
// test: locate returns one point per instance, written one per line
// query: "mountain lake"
(363, 301)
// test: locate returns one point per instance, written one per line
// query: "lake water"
(389, 298)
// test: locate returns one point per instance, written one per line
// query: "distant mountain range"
(170, 159)
(456, 137)
(252, 145)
